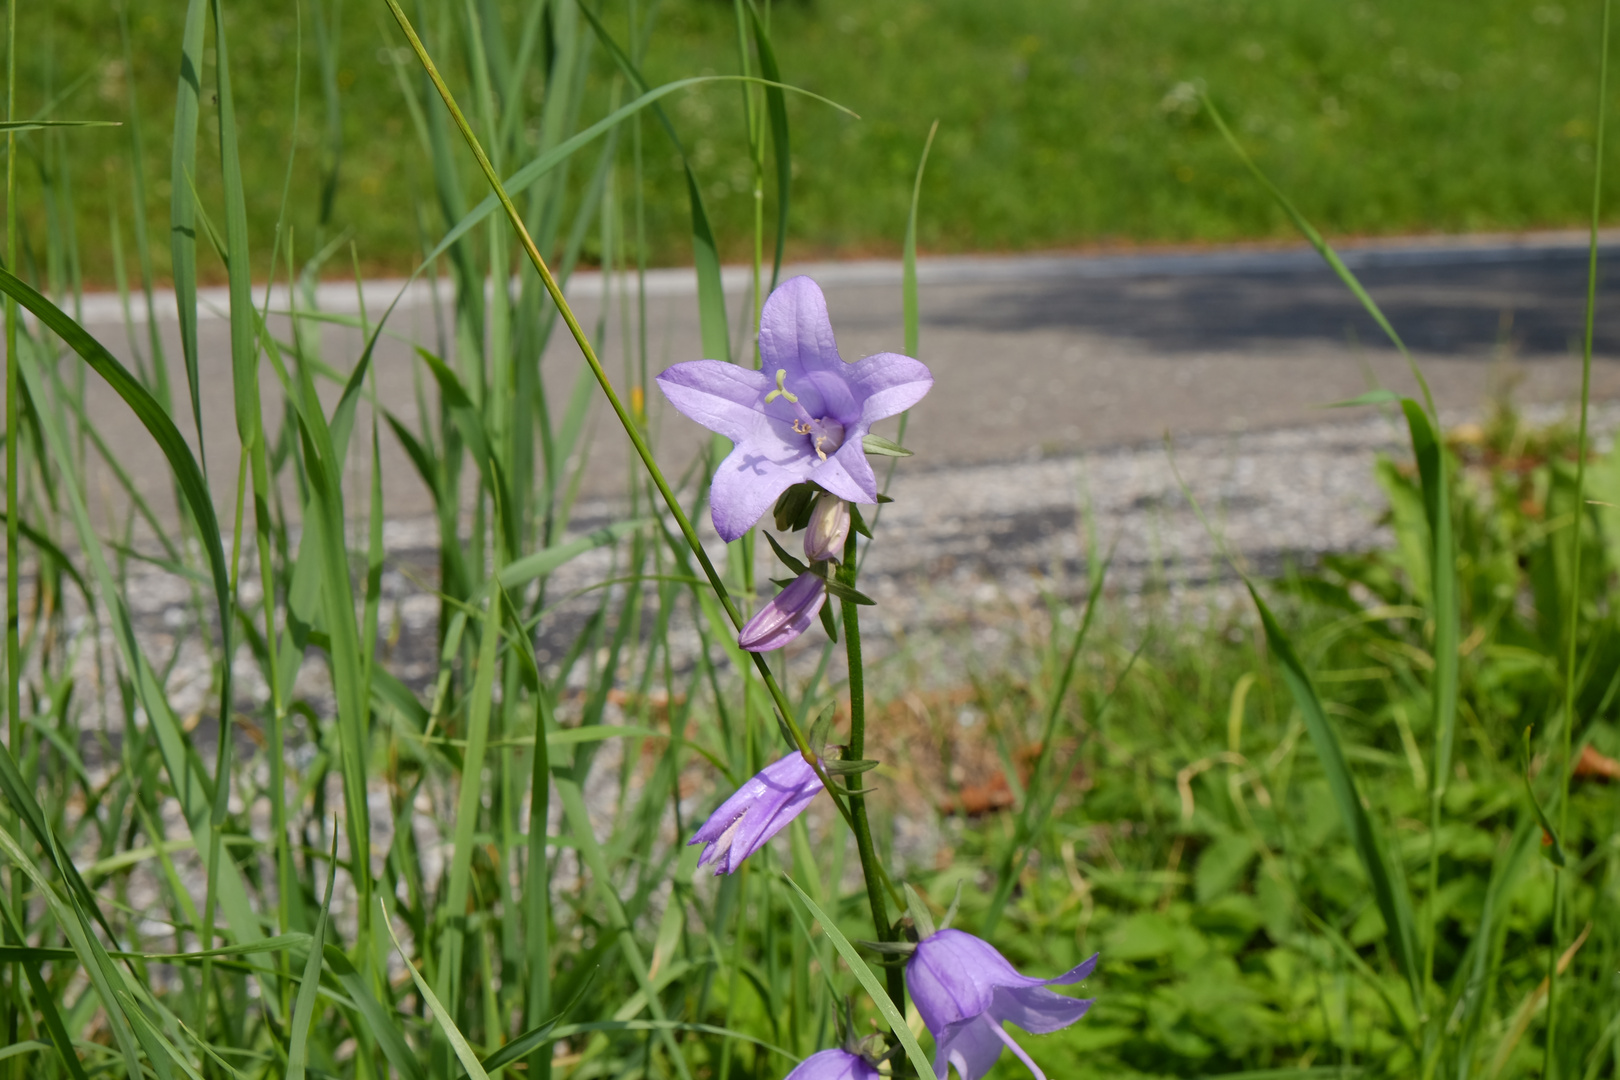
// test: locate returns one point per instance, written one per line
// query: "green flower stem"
(871, 868)
(631, 428)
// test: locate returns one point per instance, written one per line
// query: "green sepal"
(889, 948)
(793, 508)
(844, 592)
(885, 498)
(820, 727)
(857, 522)
(787, 735)
(921, 917)
(852, 767)
(877, 444)
(829, 623)
(792, 564)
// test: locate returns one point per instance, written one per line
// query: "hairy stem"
(871, 869)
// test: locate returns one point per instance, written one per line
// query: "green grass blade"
(49, 549)
(244, 371)
(1577, 532)
(182, 207)
(441, 1016)
(519, 572)
(470, 422)
(1430, 454)
(469, 801)
(1389, 888)
(1324, 249)
(37, 125)
(343, 632)
(186, 472)
(1030, 815)
(781, 146)
(190, 782)
(579, 823)
(381, 1023)
(304, 1008)
(93, 958)
(908, 256)
(870, 983)
(715, 334)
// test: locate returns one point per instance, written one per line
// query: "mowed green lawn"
(1063, 123)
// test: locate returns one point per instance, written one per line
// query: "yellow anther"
(781, 390)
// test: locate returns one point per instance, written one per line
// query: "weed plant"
(1372, 832)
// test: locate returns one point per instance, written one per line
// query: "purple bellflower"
(789, 614)
(758, 810)
(966, 990)
(802, 418)
(834, 1065)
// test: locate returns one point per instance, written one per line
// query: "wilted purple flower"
(801, 418)
(834, 1065)
(965, 990)
(758, 810)
(789, 614)
(828, 529)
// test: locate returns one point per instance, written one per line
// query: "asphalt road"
(1036, 357)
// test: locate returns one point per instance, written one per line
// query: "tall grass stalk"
(1566, 760)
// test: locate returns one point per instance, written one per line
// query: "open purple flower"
(801, 418)
(966, 990)
(788, 614)
(834, 1065)
(758, 810)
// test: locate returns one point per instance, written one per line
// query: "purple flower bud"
(788, 615)
(829, 528)
(965, 991)
(834, 1065)
(758, 810)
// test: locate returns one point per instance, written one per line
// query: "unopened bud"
(828, 529)
(788, 615)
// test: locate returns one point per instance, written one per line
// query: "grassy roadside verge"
(1062, 123)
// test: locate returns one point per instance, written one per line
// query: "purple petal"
(724, 398)
(972, 1046)
(757, 811)
(789, 614)
(953, 976)
(834, 1065)
(1036, 1009)
(795, 332)
(846, 472)
(888, 384)
(751, 478)
(830, 394)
